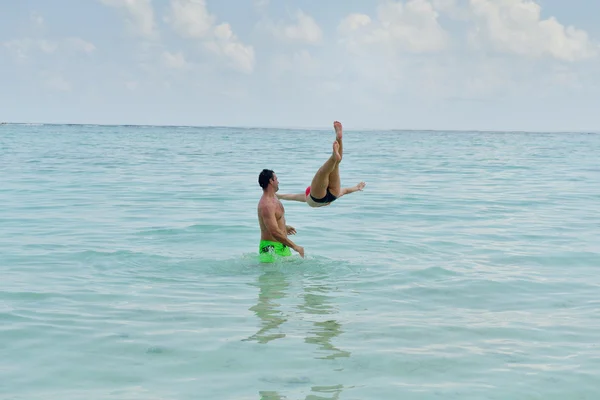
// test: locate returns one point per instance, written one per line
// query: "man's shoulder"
(266, 204)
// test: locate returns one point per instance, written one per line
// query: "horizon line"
(300, 127)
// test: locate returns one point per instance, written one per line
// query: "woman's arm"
(292, 197)
(352, 189)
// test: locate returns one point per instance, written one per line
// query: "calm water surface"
(469, 268)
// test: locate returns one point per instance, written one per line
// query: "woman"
(326, 187)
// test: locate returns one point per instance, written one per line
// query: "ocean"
(468, 268)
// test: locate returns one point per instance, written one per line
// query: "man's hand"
(300, 250)
(290, 230)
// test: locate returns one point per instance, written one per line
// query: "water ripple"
(465, 270)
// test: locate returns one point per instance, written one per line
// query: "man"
(271, 218)
(326, 187)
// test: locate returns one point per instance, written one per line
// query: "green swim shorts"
(269, 251)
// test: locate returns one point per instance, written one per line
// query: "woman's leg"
(338, 136)
(320, 182)
(335, 185)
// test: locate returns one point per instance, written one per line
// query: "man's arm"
(270, 221)
(293, 197)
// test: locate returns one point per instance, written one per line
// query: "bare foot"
(361, 186)
(338, 130)
(336, 152)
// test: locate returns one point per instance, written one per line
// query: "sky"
(524, 65)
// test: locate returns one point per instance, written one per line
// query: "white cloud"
(191, 19)
(411, 27)
(19, 47)
(403, 49)
(354, 22)
(304, 29)
(507, 26)
(261, 3)
(515, 26)
(47, 46)
(139, 15)
(225, 43)
(23, 48)
(79, 44)
(174, 60)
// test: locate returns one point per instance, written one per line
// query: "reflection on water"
(335, 391)
(270, 396)
(317, 305)
(272, 286)
(317, 301)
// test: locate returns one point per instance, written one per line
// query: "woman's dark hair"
(264, 178)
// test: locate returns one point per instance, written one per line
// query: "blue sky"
(416, 64)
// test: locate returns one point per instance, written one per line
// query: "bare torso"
(274, 204)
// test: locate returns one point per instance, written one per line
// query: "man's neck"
(268, 193)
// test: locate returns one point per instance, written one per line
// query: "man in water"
(326, 187)
(271, 218)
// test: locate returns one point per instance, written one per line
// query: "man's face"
(275, 182)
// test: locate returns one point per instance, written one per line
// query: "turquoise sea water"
(469, 268)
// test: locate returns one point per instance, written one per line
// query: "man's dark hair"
(264, 178)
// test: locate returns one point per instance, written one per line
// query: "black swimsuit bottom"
(327, 199)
